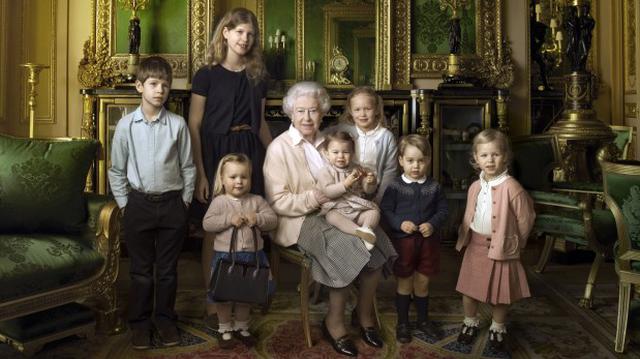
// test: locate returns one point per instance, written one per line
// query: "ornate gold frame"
(184, 65)
(333, 12)
(383, 41)
(490, 47)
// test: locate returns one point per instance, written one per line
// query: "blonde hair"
(217, 52)
(367, 91)
(417, 141)
(487, 136)
(239, 158)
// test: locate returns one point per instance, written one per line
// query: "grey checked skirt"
(336, 257)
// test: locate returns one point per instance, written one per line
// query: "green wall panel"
(314, 35)
(280, 14)
(163, 25)
(430, 28)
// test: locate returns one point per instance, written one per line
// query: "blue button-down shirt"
(151, 156)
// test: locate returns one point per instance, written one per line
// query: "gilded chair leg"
(109, 320)
(304, 304)
(546, 252)
(623, 315)
(587, 300)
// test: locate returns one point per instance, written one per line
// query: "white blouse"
(366, 147)
(482, 218)
(312, 154)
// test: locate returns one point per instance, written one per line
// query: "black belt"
(157, 197)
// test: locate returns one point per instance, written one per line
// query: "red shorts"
(416, 254)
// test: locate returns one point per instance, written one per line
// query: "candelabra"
(276, 54)
(552, 46)
(32, 81)
(309, 70)
(134, 34)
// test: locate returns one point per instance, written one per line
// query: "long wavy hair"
(217, 52)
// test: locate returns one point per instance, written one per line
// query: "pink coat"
(512, 219)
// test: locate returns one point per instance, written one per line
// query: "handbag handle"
(232, 248)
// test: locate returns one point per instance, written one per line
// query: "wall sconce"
(552, 47)
(276, 54)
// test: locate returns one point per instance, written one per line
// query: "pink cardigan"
(512, 219)
(289, 186)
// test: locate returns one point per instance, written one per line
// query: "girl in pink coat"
(496, 224)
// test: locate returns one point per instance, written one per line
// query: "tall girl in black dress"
(227, 110)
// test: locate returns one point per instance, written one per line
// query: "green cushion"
(42, 183)
(553, 197)
(30, 264)
(572, 228)
(47, 322)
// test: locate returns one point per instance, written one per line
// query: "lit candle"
(553, 24)
(270, 41)
(283, 39)
(559, 36)
(538, 12)
(277, 33)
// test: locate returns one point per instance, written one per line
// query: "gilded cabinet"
(451, 118)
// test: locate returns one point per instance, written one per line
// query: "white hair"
(306, 88)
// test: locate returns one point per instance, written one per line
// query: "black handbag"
(239, 281)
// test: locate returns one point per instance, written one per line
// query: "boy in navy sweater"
(415, 208)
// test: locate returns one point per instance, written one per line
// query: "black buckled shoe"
(498, 341)
(467, 334)
(430, 329)
(342, 345)
(371, 336)
(403, 333)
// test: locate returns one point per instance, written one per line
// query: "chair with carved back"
(560, 215)
(621, 181)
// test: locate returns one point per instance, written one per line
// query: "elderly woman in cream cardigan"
(291, 167)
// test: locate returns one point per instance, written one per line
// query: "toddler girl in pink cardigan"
(234, 207)
(496, 224)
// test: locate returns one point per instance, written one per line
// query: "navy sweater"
(415, 202)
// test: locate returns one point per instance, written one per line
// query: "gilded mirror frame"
(489, 45)
(334, 13)
(383, 41)
(183, 64)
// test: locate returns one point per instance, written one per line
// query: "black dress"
(232, 100)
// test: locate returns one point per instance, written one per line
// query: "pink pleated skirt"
(490, 281)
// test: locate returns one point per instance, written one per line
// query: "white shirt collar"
(409, 180)
(296, 137)
(494, 181)
(368, 133)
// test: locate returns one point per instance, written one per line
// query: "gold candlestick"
(32, 80)
(453, 73)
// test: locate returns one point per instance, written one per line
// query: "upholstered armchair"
(621, 182)
(560, 215)
(58, 245)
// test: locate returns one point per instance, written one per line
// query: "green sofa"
(58, 245)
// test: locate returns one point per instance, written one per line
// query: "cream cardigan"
(289, 187)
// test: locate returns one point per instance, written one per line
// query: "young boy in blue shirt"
(152, 178)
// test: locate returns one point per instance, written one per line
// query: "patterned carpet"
(549, 325)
